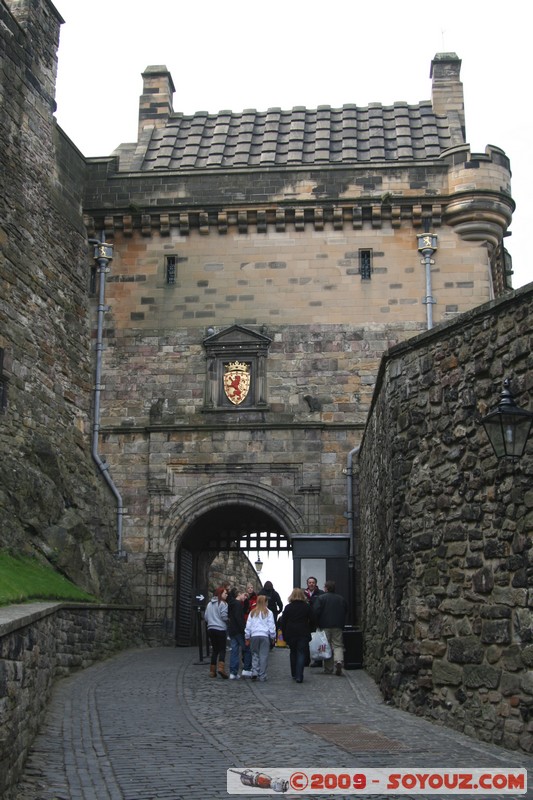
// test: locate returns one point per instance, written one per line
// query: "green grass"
(23, 579)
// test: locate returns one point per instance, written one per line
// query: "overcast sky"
(286, 53)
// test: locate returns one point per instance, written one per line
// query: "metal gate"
(184, 598)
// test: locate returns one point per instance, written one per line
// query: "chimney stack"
(155, 105)
(447, 93)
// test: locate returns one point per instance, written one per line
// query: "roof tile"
(298, 136)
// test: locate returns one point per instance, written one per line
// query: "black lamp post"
(508, 427)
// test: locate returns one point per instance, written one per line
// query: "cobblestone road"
(150, 724)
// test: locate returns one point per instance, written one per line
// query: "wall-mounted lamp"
(258, 564)
(508, 427)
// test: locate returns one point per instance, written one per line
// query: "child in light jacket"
(260, 632)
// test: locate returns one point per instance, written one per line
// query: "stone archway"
(215, 519)
(220, 494)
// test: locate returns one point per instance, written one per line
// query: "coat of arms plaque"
(236, 381)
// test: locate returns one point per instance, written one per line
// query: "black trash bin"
(353, 647)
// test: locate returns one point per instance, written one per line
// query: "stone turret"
(155, 105)
(447, 93)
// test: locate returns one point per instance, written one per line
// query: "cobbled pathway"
(150, 724)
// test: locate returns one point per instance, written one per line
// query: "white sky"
(278, 568)
(284, 53)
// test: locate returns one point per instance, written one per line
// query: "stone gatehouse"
(262, 264)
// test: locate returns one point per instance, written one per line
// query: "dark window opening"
(365, 264)
(170, 269)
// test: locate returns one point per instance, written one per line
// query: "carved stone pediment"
(237, 339)
(236, 369)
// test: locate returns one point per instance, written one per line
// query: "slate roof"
(300, 137)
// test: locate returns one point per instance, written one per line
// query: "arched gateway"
(224, 516)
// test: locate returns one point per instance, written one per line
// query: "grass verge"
(23, 579)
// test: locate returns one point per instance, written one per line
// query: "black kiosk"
(327, 559)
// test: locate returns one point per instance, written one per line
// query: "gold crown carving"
(237, 366)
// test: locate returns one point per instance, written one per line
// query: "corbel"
(261, 221)
(109, 226)
(203, 223)
(396, 216)
(338, 218)
(319, 218)
(184, 224)
(164, 224)
(222, 221)
(127, 225)
(146, 224)
(357, 217)
(436, 214)
(242, 221)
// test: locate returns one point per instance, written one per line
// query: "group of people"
(310, 609)
(251, 620)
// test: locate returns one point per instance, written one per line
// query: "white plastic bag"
(319, 647)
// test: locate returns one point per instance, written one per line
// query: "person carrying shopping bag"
(329, 612)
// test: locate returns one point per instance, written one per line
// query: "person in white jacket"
(260, 633)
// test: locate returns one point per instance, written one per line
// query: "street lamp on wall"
(258, 564)
(508, 427)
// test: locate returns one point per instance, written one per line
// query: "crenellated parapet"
(480, 207)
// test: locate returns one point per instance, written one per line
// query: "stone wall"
(235, 568)
(39, 643)
(177, 460)
(52, 501)
(294, 275)
(446, 528)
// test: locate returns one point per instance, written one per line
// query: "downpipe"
(429, 301)
(103, 254)
(350, 517)
(427, 247)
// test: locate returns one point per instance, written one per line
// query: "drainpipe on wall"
(427, 245)
(103, 254)
(349, 516)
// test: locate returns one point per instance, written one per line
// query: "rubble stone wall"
(39, 643)
(53, 502)
(446, 528)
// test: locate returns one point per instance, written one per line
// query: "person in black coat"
(236, 625)
(273, 600)
(295, 624)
